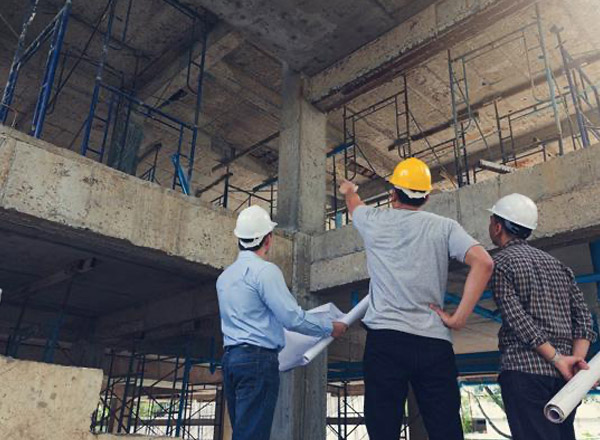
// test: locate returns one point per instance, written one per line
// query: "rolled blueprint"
(567, 399)
(300, 349)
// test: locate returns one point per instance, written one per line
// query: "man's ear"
(394, 195)
(497, 227)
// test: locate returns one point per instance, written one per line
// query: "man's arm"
(353, 201)
(481, 267)
(514, 316)
(583, 332)
(280, 301)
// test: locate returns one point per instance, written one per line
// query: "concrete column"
(227, 429)
(301, 408)
(302, 172)
(416, 428)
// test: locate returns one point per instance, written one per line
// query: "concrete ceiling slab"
(112, 285)
(312, 34)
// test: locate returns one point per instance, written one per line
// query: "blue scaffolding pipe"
(97, 83)
(340, 149)
(183, 396)
(452, 298)
(59, 31)
(180, 174)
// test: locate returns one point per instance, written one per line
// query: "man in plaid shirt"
(546, 325)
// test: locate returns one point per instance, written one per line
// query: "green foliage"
(467, 420)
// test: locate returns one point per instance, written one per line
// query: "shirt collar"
(247, 255)
(515, 242)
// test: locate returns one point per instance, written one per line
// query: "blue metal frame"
(493, 315)
(181, 178)
(55, 31)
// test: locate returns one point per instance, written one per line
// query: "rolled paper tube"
(357, 313)
(300, 350)
(558, 409)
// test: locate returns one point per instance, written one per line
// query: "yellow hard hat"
(412, 174)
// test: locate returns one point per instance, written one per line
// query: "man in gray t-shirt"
(408, 340)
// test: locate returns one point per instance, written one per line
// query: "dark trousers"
(251, 381)
(525, 396)
(393, 360)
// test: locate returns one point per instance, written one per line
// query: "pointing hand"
(347, 187)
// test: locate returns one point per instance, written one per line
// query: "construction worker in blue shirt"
(255, 306)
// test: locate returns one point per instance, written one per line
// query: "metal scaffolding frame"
(111, 102)
(53, 32)
(134, 404)
(583, 92)
(23, 297)
(464, 120)
(115, 98)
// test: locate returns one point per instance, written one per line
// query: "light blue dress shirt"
(256, 305)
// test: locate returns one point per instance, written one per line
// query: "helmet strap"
(516, 230)
(414, 194)
(250, 244)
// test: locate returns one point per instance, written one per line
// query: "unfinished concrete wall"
(59, 192)
(564, 188)
(42, 401)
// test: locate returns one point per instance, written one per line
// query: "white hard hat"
(253, 223)
(517, 209)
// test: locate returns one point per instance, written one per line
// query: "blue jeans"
(251, 381)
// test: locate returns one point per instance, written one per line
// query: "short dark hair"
(405, 200)
(254, 248)
(513, 229)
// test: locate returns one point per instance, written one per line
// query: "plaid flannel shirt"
(539, 302)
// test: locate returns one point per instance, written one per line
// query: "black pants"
(525, 396)
(393, 360)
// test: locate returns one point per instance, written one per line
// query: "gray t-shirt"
(408, 255)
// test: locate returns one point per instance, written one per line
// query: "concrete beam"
(58, 193)
(168, 73)
(564, 189)
(431, 31)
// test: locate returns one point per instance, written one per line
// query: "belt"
(253, 347)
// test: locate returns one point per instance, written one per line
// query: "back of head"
(253, 225)
(412, 181)
(517, 214)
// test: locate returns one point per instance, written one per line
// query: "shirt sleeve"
(581, 318)
(459, 242)
(512, 311)
(277, 297)
(362, 220)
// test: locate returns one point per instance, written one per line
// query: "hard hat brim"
(256, 235)
(512, 221)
